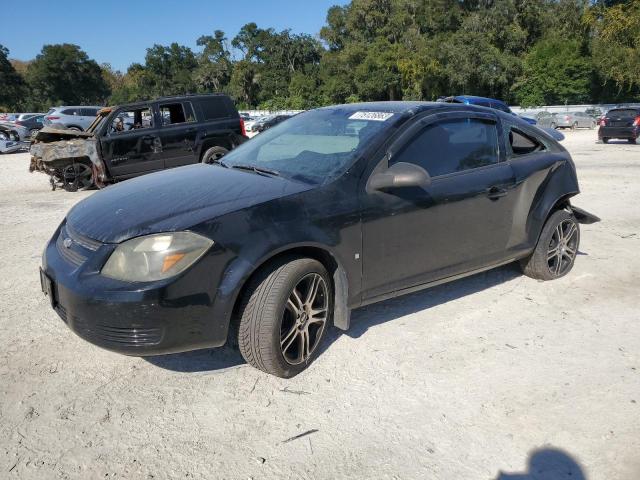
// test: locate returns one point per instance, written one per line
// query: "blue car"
(485, 102)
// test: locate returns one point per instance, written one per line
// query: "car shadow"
(206, 360)
(361, 320)
(364, 318)
(548, 464)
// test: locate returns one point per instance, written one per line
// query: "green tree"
(169, 70)
(64, 74)
(13, 87)
(555, 72)
(214, 63)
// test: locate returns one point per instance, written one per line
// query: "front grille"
(77, 245)
(70, 255)
(81, 240)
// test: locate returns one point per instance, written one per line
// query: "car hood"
(173, 200)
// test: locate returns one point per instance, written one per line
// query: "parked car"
(333, 209)
(269, 121)
(594, 112)
(485, 102)
(574, 120)
(13, 131)
(10, 138)
(8, 117)
(546, 119)
(73, 118)
(32, 123)
(131, 140)
(621, 123)
(26, 116)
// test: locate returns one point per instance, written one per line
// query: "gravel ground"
(487, 377)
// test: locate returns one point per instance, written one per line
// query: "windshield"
(312, 147)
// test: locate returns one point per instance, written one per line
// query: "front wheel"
(556, 250)
(632, 140)
(284, 315)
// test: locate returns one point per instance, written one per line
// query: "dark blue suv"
(484, 102)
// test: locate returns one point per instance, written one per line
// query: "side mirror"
(401, 174)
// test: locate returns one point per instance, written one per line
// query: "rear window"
(624, 112)
(214, 108)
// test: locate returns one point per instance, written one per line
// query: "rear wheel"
(77, 129)
(213, 154)
(592, 125)
(553, 125)
(574, 126)
(632, 140)
(33, 132)
(284, 315)
(605, 140)
(556, 250)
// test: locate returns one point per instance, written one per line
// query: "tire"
(592, 125)
(271, 335)
(553, 125)
(605, 140)
(77, 129)
(33, 132)
(632, 140)
(214, 153)
(552, 259)
(574, 126)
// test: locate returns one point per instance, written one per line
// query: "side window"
(70, 111)
(172, 113)
(453, 146)
(214, 108)
(131, 119)
(88, 112)
(522, 144)
(188, 112)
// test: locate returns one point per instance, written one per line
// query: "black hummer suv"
(131, 140)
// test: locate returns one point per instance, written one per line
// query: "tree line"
(526, 52)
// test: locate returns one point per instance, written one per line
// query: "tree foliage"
(64, 75)
(526, 51)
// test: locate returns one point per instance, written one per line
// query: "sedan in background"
(485, 102)
(32, 123)
(621, 123)
(268, 122)
(574, 120)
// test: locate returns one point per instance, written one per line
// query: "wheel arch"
(321, 253)
(224, 141)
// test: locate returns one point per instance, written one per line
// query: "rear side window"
(453, 146)
(214, 108)
(89, 112)
(522, 144)
(70, 111)
(172, 113)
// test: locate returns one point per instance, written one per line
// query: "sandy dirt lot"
(483, 378)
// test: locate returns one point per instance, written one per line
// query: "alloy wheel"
(304, 319)
(562, 248)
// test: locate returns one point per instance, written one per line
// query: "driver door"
(134, 147)
(461, 222)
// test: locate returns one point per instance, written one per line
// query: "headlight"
(155, 257)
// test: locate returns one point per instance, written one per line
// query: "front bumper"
(618, 132)
(140, 319)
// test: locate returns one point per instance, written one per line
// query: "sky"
(119, 31)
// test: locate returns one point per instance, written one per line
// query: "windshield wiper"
(218, 161)
(258, 170)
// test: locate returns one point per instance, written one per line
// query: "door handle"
(494, 193)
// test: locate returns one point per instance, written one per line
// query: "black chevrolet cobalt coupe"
(333, 209)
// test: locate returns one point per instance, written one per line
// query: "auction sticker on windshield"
(375, 116)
